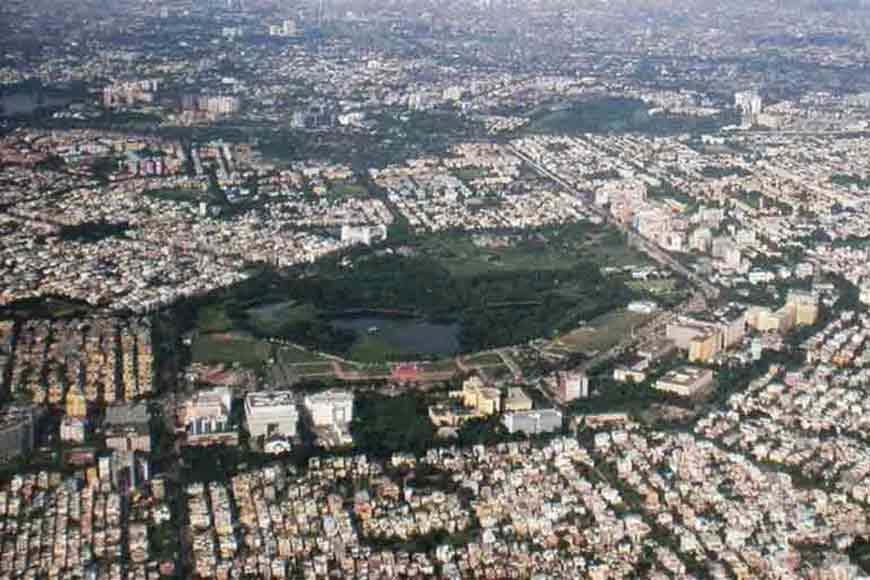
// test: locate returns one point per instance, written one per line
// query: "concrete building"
(72, 429)
(632, 372)
(269, 414)
(485, 400)
(332, 408)
(363, 234)
(128, 427)
(572, 386)
(765, 320)
(517, 400)
(533, 422)
(704, 339)
(685, 381)
(76, 403)
(750, 105)
(806, 306)
(206, 417)
(704, 347)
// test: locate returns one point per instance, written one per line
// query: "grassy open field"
(485, 359)
(348, 189)
(293, 355)
(213, 318)
(603, 332)
(228, 349)
(550, 251)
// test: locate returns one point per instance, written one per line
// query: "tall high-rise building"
(750, 105)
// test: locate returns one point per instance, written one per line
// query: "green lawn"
(602, 332)
(486, 359)
(470, 173)
(372, 349)
(213, 318)
(315, 369)
(553, 250)
(440, 366)
(347, 189)
(215, 348)
(291, 355)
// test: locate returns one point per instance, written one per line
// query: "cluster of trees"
(494, 308)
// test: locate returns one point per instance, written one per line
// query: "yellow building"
(476, 395)
(76, 404)
(765, 320)
(704, 348)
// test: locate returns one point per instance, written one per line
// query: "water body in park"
(405, 334)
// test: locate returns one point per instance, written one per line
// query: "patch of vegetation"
(486, 359)
(619, 115)
(181, 194)
(46, 307)
(603, 332)
(276, 319)
(666, 189)
(539, 284)
(213, 318)
(848, 180)
(227, 349)
(384, 425)
(347, 189)
(90, 232)
(373, 349)
(716, 171)
(756, 199)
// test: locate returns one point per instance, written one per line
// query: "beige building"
(704, 347)
(485, 400)
(764, 319)
(76, 404)
(806, 307)
(685, 381)
(517, 400)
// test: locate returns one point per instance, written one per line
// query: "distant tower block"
(750, 105)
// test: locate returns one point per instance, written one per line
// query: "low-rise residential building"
(128, 427)
(17, 430)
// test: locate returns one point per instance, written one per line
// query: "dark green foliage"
(92, 231)
(384, 425)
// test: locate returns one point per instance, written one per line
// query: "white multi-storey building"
(271, 413)
(331, 408)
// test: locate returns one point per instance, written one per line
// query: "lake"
(411, 335)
